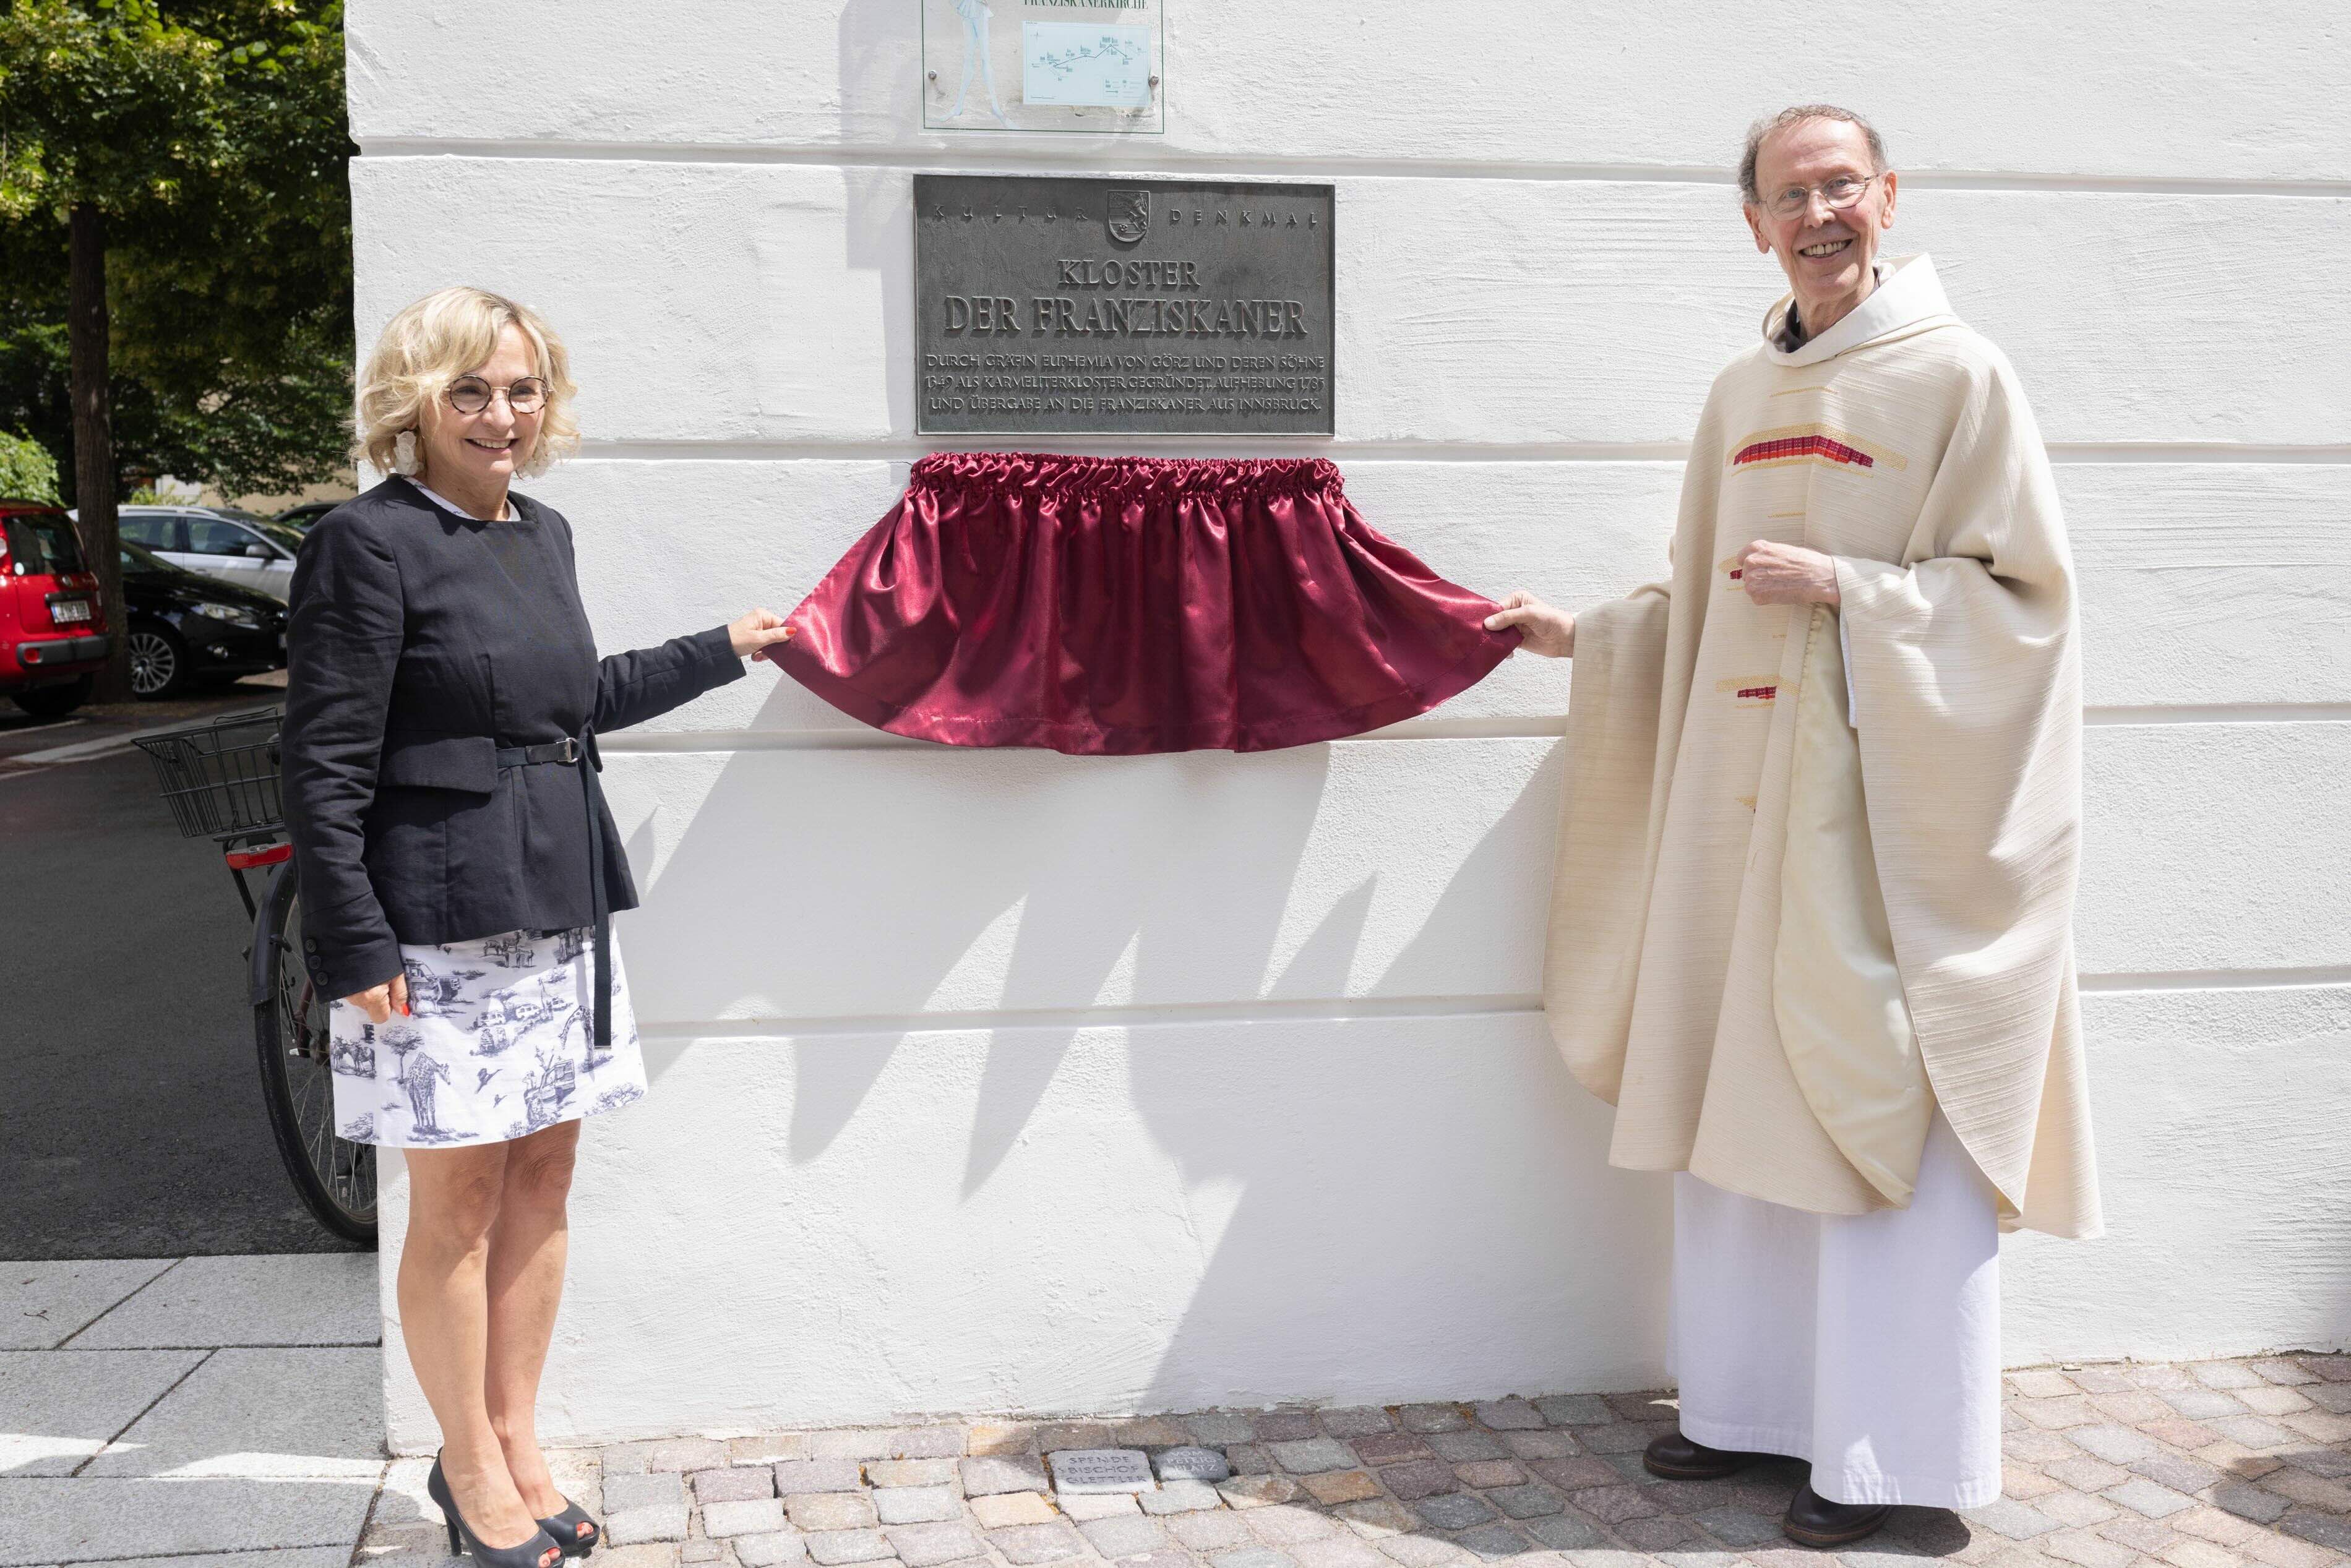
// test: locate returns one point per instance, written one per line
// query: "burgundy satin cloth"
(1117, 605)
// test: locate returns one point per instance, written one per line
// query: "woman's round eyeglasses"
(471, 394)
(1839, 194)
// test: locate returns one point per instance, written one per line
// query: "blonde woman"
(458, 868)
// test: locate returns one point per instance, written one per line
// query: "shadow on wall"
(948, 881)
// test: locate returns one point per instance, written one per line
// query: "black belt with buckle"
(573, 751)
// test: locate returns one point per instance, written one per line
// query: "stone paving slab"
(59, 1408)
(85, 1519)
(294, 1299)
(2105, 1466)
(42, 1305)
(261, 1413)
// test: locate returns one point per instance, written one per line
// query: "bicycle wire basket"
(221, 778)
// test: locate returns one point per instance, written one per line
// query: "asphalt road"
(131, 1112)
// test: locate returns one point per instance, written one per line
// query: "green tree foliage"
(28, 472)
(212, 135)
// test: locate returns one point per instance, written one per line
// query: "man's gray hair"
(1771, 125)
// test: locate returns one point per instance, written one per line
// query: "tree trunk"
(93, 436)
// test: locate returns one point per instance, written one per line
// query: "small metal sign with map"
(1086, 67)
(1058, 304)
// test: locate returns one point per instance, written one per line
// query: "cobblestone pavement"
(2197, 1465)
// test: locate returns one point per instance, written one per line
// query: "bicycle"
(220, 779)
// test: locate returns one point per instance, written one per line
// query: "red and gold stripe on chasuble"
(1814, 442)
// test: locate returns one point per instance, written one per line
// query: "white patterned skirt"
(498, 1043)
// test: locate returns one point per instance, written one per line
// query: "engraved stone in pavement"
(987, 1474)
(1192, 1464)
(1025, 1543)
(1314, 1455)
(1100, 1469)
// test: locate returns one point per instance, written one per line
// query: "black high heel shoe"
(540, 1551)
(564, 1528)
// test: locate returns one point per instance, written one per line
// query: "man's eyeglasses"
(1839, 194)
(471, 394)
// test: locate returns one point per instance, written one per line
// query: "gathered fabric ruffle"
(1120, 605)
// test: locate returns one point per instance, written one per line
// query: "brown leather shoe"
(1676, 1458)
(1814, 1520)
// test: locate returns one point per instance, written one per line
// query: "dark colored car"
(52, 636)
(303, 516)
(187, 629)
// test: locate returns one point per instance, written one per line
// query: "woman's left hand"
(755, 633)
(1787, 574)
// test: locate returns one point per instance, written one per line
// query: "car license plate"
(64, 611)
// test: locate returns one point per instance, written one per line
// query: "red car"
(52, 632)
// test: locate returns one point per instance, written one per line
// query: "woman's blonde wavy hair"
(432, 343)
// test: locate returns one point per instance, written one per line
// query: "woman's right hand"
(1543, 629)
(380, 1002)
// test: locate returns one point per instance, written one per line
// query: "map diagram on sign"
(1078, 63)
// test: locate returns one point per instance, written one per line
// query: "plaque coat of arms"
(1130, 214)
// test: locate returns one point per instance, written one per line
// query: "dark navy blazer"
(420, 643)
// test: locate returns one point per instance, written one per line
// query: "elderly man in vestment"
(1811, 923)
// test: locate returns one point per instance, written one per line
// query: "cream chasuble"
(1777, 940)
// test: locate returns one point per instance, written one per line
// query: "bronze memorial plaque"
(1051, 305)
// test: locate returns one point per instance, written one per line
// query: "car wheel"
(48, 702)
(159, 663)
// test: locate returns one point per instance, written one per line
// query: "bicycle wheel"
(335, 1177)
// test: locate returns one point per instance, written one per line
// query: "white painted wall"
(1003, 1082)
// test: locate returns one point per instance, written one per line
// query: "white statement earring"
(403, 452)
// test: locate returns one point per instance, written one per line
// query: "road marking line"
(83, 750)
